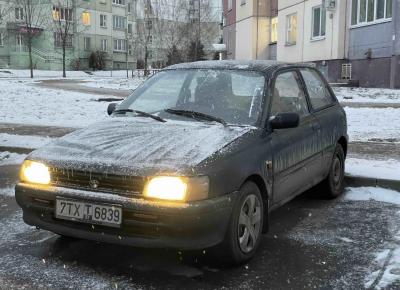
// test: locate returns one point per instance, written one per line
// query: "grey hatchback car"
(197, 157)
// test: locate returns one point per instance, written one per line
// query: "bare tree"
(33, 14)
(63, 26)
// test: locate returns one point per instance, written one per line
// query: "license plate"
(87, 212)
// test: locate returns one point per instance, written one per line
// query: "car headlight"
(34, 172)
(177, 188)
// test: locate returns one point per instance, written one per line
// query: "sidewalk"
(77, 86)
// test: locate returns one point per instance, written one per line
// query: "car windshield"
(227, 96)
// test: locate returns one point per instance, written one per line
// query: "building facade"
(106, 26)
(110, 28)
(250, 28)
(354, 41)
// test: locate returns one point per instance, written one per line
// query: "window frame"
(274, 30)
(289, 29)
(322, 11)
(271, 88)
(375, 20)
(87, 40)
(103, 21)
(104, 45)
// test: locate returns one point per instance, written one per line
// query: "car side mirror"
(111, 108)
(285, 121)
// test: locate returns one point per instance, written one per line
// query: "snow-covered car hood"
(138, 146)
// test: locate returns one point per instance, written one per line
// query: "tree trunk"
(145, 61)
(64, 72)
(30, 57)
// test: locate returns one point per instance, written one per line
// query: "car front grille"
(101, 182)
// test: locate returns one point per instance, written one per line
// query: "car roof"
(264, 66)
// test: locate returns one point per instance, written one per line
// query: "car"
(195, 158)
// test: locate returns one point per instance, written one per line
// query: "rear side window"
(319, 94)
(288, 96)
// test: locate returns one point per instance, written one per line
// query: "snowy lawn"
(40, 74)
(367, 95)
(373, 124)
(22, 102)
(385, 169)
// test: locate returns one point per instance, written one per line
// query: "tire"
(243, 235)
(333, 185)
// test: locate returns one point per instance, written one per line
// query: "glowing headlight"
(34, 172)
(177, 188)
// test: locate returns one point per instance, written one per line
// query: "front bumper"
(194, 225)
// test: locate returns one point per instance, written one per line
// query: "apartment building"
(250, 28)
(353, 40)
(101, 25)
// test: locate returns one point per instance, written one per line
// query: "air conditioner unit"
(330, 5)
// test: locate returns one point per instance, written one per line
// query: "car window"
(288, 97)
(235, 96)
(319, 94)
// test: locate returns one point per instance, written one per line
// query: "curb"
(360, 181)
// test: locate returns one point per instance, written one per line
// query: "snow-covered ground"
(384, 169)
(113, 83)
(367, 95)
(10, 158)
(373, 124)
(385, 269)
(22, 102)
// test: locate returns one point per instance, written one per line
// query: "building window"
(19, 40)
(119, 22)
(86, 43)
(19, 13)
(291, 29)
(370, 11)
(129, 7)
(86, 18)
(58, 40)
(103, 21)
(1, 39)
(130, 28)
(149, 25)
(318, 22)
(104, 45)
(64, 14)
(120, 45)
(150, 39)
(119, 2)
(274, 29)
(230, 5)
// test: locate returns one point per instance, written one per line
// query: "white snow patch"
(117, 84)
(9, 158)
(7, 191)
(367, 95)
(384, 169)
(23, 141)
(372, 124)
(346, 240)
(373, 193)
(27, 104)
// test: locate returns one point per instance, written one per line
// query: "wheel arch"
(259, 181)
(343, 142)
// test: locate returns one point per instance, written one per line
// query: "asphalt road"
(312, 244)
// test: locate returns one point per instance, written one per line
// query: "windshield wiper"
(141, 113)
(196, 115)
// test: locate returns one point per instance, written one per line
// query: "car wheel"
(333, 185)
(245, 228)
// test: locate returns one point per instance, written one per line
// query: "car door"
(296, 156)
(326, 109)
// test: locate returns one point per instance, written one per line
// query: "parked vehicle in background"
(195, 158)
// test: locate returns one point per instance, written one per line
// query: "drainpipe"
(258, 4)
(395, 39)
